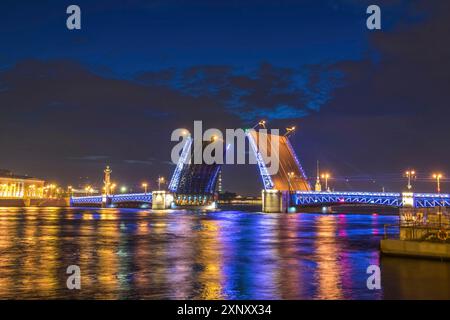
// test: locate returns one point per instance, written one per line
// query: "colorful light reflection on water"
(130, 253)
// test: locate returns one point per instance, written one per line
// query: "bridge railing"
(115, 198)
(418, 200)
(368, 198)
(418, 231)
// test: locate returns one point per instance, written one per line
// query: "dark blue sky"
(368, 103)
(147, 35)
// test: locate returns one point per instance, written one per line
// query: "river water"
(228, 254)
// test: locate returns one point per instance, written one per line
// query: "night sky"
(367, 104)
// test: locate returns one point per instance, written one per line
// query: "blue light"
(421, 200)
(173, 185)
(267, 180)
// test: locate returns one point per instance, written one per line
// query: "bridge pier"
(161, 200)
(275, 201)
(106, 201)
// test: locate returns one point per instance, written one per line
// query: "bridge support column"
(408, 200)
(106, 201)
(275, 201)
(161, 200)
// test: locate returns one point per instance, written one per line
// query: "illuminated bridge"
(290, 174)
(134, 198)
(194, 184)
(418, 200)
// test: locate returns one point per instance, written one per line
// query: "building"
(14, 186)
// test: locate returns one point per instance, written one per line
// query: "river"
(228, 254)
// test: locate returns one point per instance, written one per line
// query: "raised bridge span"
(194, 184)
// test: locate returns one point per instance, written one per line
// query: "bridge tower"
(279, 186)
(106, 198)
(318, 186)
(107, 181)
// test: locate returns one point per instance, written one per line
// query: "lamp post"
(438, 177)
(289, 131)
(261, 123)
(326, 176)
(290, 176)
(410, 174)
(160, 180)
(144, 185)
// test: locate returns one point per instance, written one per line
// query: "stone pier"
(275, 201)
(161, 200)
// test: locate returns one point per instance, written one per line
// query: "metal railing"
(419, 231)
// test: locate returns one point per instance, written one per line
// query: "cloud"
(265, 92)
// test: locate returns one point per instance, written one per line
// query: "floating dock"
(423, 233)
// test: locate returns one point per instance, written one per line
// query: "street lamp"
(160, 180)
(290, 176)
(145, 185)
(289, 131)
(113, 186)
(123, 189)
(261, 123)
(410, 174)
(438, 177)
(326, 176)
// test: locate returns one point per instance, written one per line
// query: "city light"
(261, 123)
(326, 176)
(290, 176)
(123, 189)
(289, 131)
(160, 180)
(410, 174)
(145, 185)
(438, 177)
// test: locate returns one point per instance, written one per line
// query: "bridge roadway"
(309, 198)
(114, 199)
(418, 200)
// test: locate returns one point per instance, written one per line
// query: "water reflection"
(329, 269)
(128, 253)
